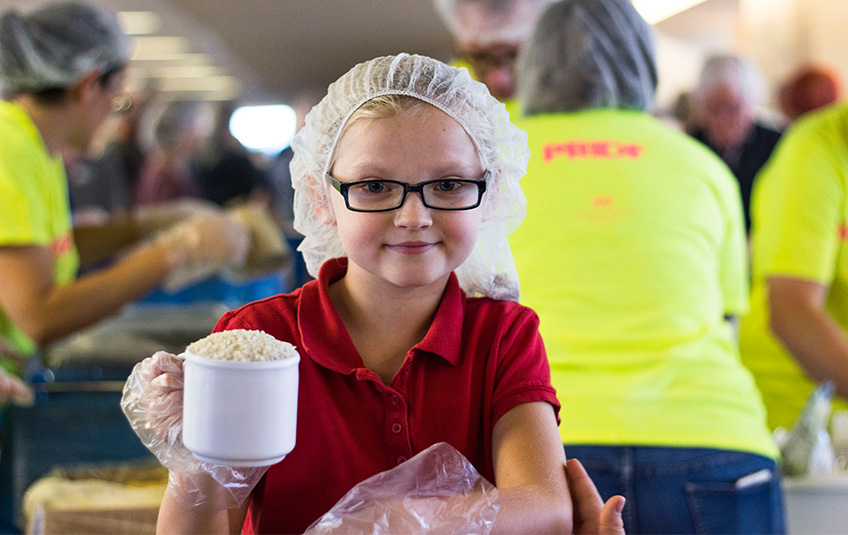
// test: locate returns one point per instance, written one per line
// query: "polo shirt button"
(401, 459)
(396, 428)
(395, 399)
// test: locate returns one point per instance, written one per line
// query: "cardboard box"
(116, 500)
(135, 521)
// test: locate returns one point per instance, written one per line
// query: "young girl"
(406, 179)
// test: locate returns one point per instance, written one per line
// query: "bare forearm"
(817, 342)
(94, 297)
(531, 510)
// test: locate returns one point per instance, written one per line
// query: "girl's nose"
(413, 213)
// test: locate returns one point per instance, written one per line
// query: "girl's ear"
(320, 201)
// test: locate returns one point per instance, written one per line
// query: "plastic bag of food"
(806, 448)
(437, 491)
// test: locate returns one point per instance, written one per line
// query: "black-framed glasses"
(386, 195)
(483, 61)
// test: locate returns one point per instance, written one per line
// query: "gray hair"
(177, 118)
(588, 54)
(502, 20)
(734, 71)
(55, 46)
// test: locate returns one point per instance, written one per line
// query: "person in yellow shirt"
(796, 334)
(633, 254)
(62, 70)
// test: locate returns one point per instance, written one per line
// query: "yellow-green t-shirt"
(799, 212)
(512, 105)
(34, 206)
(632, 252)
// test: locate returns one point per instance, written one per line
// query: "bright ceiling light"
(159, 46)
(180, 59)
(654, 11)
(201, 84)
(186, 71)
(266, 129)
(139, 22)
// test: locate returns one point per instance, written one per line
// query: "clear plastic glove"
(153, 404)
(203, 245)
(13, 390)
(437, 491)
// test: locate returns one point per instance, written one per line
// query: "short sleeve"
(24, 213)
(797, 207)
(523, 373)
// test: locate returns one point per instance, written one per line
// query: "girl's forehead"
(425, 134)
(429, 125)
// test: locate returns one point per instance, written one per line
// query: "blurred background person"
(487, 35)
(796, 334)
(123, 147)
(279, 175)
(225, 171)
(724, 103)
(168, 172)
(808, 88)
(633, 255)
(98, 188)
(62, 69)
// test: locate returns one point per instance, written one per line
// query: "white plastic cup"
(240, 413)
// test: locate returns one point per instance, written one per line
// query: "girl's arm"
(175, 518)
(528, 459)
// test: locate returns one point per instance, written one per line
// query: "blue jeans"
(687, 490)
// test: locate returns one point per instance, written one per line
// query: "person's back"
(633, 254)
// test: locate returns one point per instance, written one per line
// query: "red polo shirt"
(480, 358)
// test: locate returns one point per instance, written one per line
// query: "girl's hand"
(153, 404)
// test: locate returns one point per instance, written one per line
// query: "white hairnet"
(734, 71)
(489, 270)
(588, 54)
(55, 46)
(485, 22)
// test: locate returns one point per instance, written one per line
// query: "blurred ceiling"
(276, 50)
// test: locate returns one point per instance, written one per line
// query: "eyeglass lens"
(386, 195)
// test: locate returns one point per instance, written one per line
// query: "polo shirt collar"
(328, 343)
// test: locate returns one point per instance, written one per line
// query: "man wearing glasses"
(487, 35)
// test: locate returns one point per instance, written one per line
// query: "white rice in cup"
(242, 345)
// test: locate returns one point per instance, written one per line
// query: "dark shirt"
(746, 160)
(231, 176)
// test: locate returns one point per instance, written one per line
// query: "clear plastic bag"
(437, 491)
(153, 403)
(806, 448)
